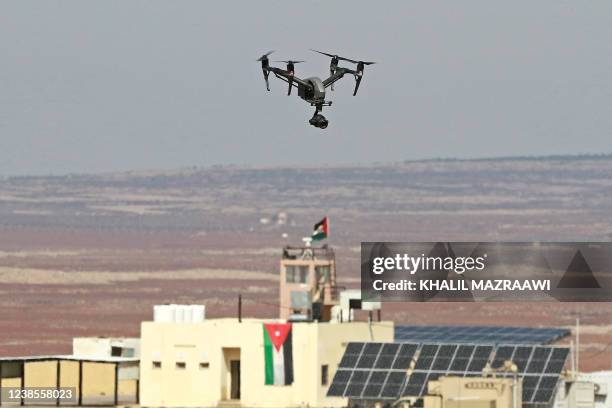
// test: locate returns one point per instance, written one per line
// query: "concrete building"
(96, 372)
(222, 362)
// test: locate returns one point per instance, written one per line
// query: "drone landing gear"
(317, 119)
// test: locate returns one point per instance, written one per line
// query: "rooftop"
(70, 357)
(307, 252)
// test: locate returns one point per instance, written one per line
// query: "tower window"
(322, 273)
(296, 273)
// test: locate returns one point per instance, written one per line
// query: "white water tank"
(179, 313)
(199, 313)
(163, 314)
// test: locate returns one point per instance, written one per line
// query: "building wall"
(204, 348)
(98, 379)
(128, 390)
(473, 392)
(101, 347)
(581, 393)
(69, 376)
(40, 374)
(602, 388)
(98, 383)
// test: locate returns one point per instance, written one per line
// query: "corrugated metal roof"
(71, 357)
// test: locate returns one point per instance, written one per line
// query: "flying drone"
(312, 90)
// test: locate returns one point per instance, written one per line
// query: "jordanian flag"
(278, 350)
(321, 230)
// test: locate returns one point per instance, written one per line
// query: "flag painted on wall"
(278, 351)
(321, 230)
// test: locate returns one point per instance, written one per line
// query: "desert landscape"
(84, 255)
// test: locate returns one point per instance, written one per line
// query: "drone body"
(312, 90)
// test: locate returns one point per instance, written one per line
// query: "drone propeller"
(337, 57)
(324, 53)
(264, 65)
(361, 62)
(291, 62)
(265, 56)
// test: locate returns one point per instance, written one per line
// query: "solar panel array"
(478, 334)
(379, 371)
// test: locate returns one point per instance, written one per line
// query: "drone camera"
(319, 121)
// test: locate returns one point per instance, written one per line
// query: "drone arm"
(284, 79)
(337, 75)
(285, 76)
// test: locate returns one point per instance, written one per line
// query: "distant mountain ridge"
(237, 167)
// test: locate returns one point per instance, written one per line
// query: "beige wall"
(100, 347)
(128, 390)
(473, 392)
(98, 380)
(40, 374)
(12, 382)
(69, 378)
(205, 385)
(98, 383)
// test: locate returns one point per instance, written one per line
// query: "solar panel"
(435, 360)
(379, 371)
(372, 370)
(356, 383)
(539, 367)
(530, 383)
(339, 383)
(375, 384)
(404, 356)
(478, 334)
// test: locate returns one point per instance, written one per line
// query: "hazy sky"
(117, 85)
